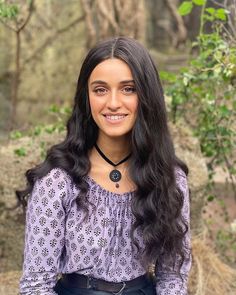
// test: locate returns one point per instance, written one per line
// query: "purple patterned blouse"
(58, 241)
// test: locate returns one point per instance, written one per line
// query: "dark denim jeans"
(148, 289)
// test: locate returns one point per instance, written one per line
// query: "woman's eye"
(129, 89)
(99, 90)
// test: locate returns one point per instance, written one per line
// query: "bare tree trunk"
(166, 28)
(181, 35)
(18, 28)
(90, 32)
(15, 83)
(106, 18)
(20, 63)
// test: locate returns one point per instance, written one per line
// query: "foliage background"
(194, 45)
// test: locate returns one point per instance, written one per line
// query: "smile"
(114, 119)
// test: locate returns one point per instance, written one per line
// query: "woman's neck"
(115, 149)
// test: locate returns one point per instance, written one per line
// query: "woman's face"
(113, 98)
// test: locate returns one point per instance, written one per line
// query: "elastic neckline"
(93, 182)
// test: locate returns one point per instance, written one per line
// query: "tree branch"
(8, 26)
(107, 14)
(50, 39)
(182, 32)
(217, 3)
(88, 18)
(30, 11)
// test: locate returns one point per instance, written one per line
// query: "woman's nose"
(114, 100)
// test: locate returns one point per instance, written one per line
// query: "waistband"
(75, 280)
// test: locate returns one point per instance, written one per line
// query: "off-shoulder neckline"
(96, 184)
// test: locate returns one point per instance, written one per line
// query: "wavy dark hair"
(158, 200)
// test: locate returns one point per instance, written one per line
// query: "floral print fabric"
(58, 240)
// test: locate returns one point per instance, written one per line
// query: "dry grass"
(9, 282)
(209, 275)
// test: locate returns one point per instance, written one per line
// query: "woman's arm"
(44, 233)
(169, 282)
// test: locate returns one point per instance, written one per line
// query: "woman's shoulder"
(57, 173)
(55, 176)
(52, 195)
(57, 183)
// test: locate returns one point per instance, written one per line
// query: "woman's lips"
(114, 119)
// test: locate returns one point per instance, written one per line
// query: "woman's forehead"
(111, 69)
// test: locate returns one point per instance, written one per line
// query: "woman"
(111, 199)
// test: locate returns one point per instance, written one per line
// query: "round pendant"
(115, 175)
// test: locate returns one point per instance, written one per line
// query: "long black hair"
(158, 200)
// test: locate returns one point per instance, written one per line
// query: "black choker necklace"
(115, 174)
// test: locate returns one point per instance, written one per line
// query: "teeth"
(115, 117)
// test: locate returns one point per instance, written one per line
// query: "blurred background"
(193, 42)
(43, 42)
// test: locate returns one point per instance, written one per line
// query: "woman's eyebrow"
(98, 82)
(105, 83)
(127, 81)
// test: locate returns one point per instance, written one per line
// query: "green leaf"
(217, 69)
(210, 198)
(221, 14)
(185, 8)
(54, 109)
(37, 130)
(67, 110)
(199, 2)
(177, 99)
(210, 10)
(209, 18)
(185, 81)
(21, 152)
(15, 135)
(167, 76)
(8, 11)
(50, 129)
(232, 170)
(224, 110)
